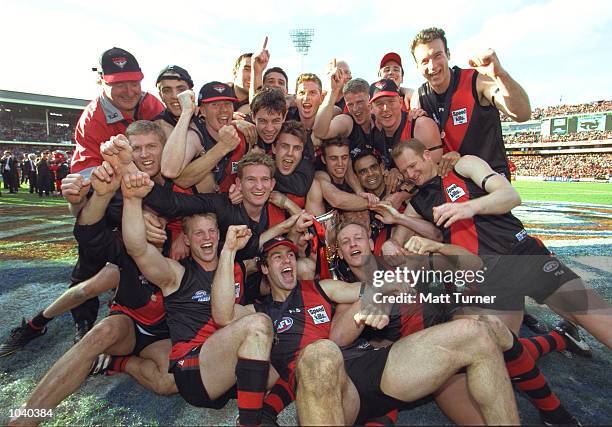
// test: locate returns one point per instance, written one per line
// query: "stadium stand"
(567, 167)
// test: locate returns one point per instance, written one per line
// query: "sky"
(558, 50)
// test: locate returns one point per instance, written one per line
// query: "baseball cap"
(383, 87)
(119, 65)
(363, 150)
(174, 72)
(216, 91)
(391, 56)
(278, 241)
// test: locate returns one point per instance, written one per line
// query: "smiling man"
(122, 102)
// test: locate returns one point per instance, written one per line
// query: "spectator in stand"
(122, 102)
(571, 166)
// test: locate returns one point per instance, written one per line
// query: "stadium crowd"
(566, 109)
(18, 130)
(238, 225)
(42, 171)
(535, 137)
(572, 166)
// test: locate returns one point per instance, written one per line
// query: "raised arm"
(326, 125)
(222, 296)
(163, 272)
(182, 146)
(502, 197)
(196, 170)
(259, 62)
(105, 182)
(498, 88)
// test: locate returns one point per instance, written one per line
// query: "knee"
(165, 385)
(476, 335)
(259, 325)
(100, 337)
(498, 331)
(319, 364)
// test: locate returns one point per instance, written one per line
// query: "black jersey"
(469, 128)
(358, 137)
(135, 296)
(384, 144)
(304, 317)
(189, 309)
(482, 234)
(173, 205)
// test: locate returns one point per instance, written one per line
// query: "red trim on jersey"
(411, 318)
(463, 232)
(150, 314)
(180, 349)
(406, 134)
(298, 200)
(380, 240)
(276, 215)
(462, 98)
(229, 178)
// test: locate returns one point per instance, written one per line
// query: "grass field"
(579, 192)
(37, 252)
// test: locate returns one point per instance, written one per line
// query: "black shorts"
(146, 334)
(365, 371)
(188, 380)
(530, 270)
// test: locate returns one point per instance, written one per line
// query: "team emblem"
(551, 266)
(219, 88)
(120, 61)
(380, 85)
(284, 325)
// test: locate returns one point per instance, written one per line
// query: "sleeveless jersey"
(303, 318)
(482, 234)
(470, 127)
(226, 170)
(384, 144)
(189, 309)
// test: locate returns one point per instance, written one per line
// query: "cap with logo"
(278, 241)
(216, 91)
(174, 72)
(391, 56)
(364, 150)
(119, 65)
(383, 87)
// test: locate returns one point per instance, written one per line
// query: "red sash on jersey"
(149, 314)
(229, 173)
(463, 232)
(463, 98)
(406, 134)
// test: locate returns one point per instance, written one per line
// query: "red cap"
(391, 56)
(278, 241)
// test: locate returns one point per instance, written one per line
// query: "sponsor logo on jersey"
(234, 167)
(460, 116)
(520, 236)
(284, 325)
(318, 314)
(454, 192)
(120, 61)
(143, 280)
(237, 289)
(551, 266)
(201, 296)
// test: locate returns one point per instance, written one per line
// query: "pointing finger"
(265, 43)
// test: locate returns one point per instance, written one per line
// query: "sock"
(541, 345)
(389, 419)
(528, 378)
(278, 398)
(118, 363)
(39, 321)
(251, 381)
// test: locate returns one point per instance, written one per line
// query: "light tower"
(302, 38)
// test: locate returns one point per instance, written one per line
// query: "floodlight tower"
(302, 38)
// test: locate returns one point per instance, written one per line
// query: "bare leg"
(107, 278)
(249, 337)
(150, 369)
(325, 395)
(421, 363)
(583, 306)
(455, 400)
(113, 335)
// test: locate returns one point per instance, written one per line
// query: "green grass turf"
(581, 192)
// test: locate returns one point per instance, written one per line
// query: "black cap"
(363, 150)
(216, 91)
(118, 65)
(383, 87)
(174, 72)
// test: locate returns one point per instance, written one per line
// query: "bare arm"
(222, 297)
(344, 329)
(105, 183)
(259, 62)
(340, 291)
(340, 199)
(426, 131)
(326, 125)
(163, 272)
(497, 87)
(410, 220)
